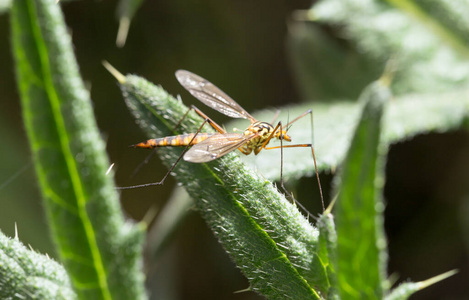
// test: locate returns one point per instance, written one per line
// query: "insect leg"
(172, 167)
(279, 125)
(182, 119)
(314, 159)
(210, 121)
(206, 118)
(147, 159)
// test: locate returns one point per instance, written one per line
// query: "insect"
(206, 147)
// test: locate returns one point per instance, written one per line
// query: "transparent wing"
(210, 95)
(216, 146)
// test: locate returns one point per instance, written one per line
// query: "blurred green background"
(241, 46)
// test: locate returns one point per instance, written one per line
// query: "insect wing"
(216, 146)
(210, 95)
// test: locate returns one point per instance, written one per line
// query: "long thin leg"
(314, 159)
(147, 159)
(279, 125)
(309, 111)
(170, 169)
(281, 175)
(206, 118)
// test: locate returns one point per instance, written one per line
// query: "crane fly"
(206, 147)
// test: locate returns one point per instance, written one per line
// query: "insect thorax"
(263, 129)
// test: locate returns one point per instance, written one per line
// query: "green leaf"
(270, 241)
(26, 274)
(99, 250)
(6, 4)
(361, 260)
(420, 35)
(406, 117)
(328, 250)
(446, 18)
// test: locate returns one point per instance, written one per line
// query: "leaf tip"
(302, 15)
(122, 32)
(389, 71)
(331, 205)
(150, 216)
(248, 289)
(109, 169)
(16, 232)
(438, 278)
(118, 75)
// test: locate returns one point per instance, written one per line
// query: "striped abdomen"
(174, 141)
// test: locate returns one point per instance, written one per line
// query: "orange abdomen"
(174, 141)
